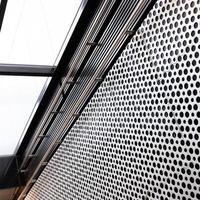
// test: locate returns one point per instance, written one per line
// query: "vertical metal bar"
(2, 11)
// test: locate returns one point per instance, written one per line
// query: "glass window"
(33, 31)
(18, 96)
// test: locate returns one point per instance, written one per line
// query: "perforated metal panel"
(139, 136)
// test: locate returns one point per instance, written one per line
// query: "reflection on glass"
(18, 95)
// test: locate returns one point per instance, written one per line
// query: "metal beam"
(2, 11)
(26, 70)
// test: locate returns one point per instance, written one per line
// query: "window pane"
(33, 30)
(18, 97)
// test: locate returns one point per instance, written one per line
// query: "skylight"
(17, 100)
(33, 31)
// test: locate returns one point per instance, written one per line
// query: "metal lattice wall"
(139, 136)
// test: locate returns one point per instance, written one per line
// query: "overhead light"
(3, 4)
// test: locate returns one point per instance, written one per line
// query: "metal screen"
(139, 136)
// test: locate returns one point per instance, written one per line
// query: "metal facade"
(139, 136)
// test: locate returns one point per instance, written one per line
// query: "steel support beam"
(26, 70)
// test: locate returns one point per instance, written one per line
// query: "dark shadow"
(9, 176)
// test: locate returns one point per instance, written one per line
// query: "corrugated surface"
(138, 137)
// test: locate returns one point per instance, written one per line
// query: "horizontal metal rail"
(26, 70)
